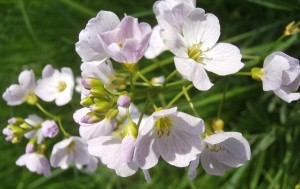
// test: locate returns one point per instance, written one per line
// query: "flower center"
(162, 126)
(61, 86)
(70, 147)
(214, 147)
(120, 44)
(195, 53)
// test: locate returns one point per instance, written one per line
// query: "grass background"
(35, 33)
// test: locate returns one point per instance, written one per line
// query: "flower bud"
(111, 114)
(124, 101)
(90, 82)
(291, 28)
(25, 126)
(29, 148)
(218, 125)
(31, 99)
(100, 107)
(87, 101)
(118, 82)
(49, 128)
(99, 92)
(91, 117)
(15, 121)
(130, 129)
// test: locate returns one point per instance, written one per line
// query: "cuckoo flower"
(89, 46)
(197, 50)
(170, 134)
(156, 44)
(17, 94)
(222, 151)
(35, 122)
(173, 12)
(128, 42)
(49, 129)
(281, 74)
(89, 129)
(109, 150)
(56, 85)
(35, 163)
(72, 150)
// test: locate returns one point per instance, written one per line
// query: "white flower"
(171, 134)
(281, 74)
(89, 46)
(72, 150)
(102, 70)
(35, 121)
(35, 163)
(108, 149)
(197, 50)
(17, 94)
(56, 85)
(173, 12)
(156, 44)
(78, 87)
(223, 151)
(92, 130)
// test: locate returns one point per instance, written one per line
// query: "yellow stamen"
(61, 86)
(163, 126)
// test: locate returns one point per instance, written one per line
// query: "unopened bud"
(291, 28)
(25, 126)
(100, 107)
(111, 114)
(49, 129)
(99, 92)
(124, 101)
(158, 81)
(118, 82)
(31, 99)
(91, 117)
(218, 125)
(257, 73)
(130, 129)
(90, 82)
(15, 121)
(87, 101)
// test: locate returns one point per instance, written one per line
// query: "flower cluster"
(118, 130)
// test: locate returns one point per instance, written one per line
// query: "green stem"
(40, 107)
(243, 73)
(250, 57)
(143, 113)
(131, 80)
(55, 118)
(222, 101)
(177, 97)
(152, 102)
(185, 92)
(170, 77)
(144, 79)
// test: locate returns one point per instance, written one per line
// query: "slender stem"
(177, 97)
(170, 77)
(151, 101)
(222, 101)
(243, 73)
(189, 101)
(250, 57)
(56, 118)
(110, 92)
(66, 134)
(144, 79)
(40, 107)
(128, 114)
(131, 80)
(143, 113)
(162, 99)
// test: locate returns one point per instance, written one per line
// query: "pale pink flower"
(16, 94)
(128, 42)
(93, 130)
(197, 51)
(89, 46)
(170, 134)
(156, 44)
(109, 150)
(72, 150)
(35, 122)
(222, 151)
(281, 74)
(35, 163)
(56, 85)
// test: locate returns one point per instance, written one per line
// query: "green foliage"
(36, 33)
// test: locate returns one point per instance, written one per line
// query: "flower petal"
(156, 44)
(223, 59)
